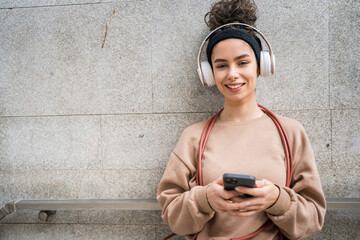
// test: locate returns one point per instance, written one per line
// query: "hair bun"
(229, 11)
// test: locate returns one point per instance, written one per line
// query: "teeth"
(235, 86)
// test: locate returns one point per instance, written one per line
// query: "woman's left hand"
(264, 195)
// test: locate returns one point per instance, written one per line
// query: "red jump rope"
(288, 155)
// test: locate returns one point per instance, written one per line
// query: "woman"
(243, 140)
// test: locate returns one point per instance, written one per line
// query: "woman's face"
(235, 70)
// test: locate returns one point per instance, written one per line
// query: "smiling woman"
(240, 139)
(235, 73)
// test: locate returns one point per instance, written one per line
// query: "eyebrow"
(237, 58)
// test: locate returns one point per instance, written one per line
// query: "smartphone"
(233, 180)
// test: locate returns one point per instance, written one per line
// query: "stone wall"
(78, 120)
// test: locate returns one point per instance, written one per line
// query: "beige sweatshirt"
(252, 147)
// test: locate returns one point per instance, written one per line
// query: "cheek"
(254, 74)
(217, 76)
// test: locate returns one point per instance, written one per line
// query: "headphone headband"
(200, 70)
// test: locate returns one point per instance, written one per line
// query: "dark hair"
(230, 11)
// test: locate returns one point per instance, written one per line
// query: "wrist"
(276, 195)
(281, 205)
(201, 200)
(206, 195)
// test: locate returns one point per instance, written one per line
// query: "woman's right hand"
(220, 199)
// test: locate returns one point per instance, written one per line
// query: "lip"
(231, 86)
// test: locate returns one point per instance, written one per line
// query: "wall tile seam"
(102, 159)
(81, 223)
(152, 72)
(105, 115)
(329, 53)
(79, 169)
(171, 113)
(331, 140)
(55, 5)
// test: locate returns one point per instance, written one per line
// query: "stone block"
(163, 230)
(329, 228)
(121, 217)
(317, 126)
(74, 184)
(346, 153)
(344, 50)
(119, 184)
(53, 64)
(75, 231)
(39, 184)
(177, 39)
(344, 224)
(325, 233)
(50, 142)
(143, 141)
(298, 34)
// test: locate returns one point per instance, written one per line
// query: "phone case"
(233, 180)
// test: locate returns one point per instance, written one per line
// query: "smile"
(235, 86)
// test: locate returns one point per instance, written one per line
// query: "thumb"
(261, 183)
(220, 181)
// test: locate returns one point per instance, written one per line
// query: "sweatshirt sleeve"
(184, 205)
(300, 210)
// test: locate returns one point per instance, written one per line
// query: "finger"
(218, 190)
(262, 188)
(235, 206)
(243, 213)
(239, 198)
(256, 208)
(261, 183)
(254, 203)
(220, 181)
(219, 198)
(229, 194)
(249, 191)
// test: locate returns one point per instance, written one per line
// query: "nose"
(233, 73)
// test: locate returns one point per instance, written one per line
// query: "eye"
(243, 63)
(221, 66)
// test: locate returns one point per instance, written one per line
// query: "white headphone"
(267, 59)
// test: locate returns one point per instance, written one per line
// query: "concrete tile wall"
(175, 45)
(81, 121)
(59, 142)
(344, 54)
(142, 141)
(318, 127)
(339, 224)
(346, 153)
(298, 33)
(75, 231)
(53, 64)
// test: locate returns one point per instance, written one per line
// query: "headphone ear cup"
(207, 73)
(265, 64)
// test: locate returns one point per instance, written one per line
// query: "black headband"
(233, 33)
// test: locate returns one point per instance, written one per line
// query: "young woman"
(243, 140)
